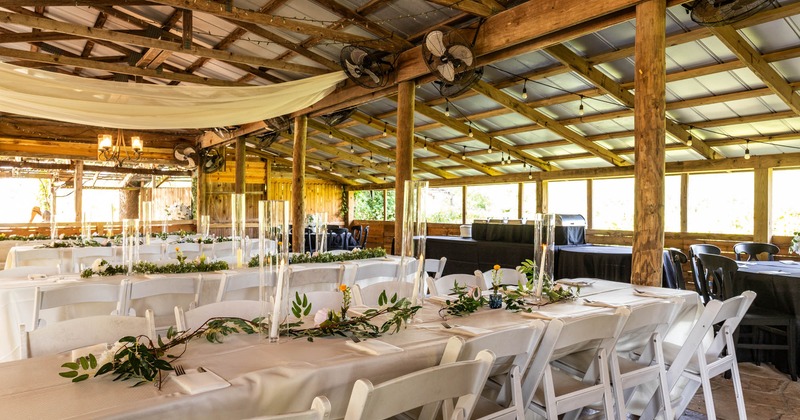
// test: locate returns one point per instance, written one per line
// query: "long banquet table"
(777, 284)
(278, 378)
(605, 262)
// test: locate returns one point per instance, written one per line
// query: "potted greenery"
(496, 299)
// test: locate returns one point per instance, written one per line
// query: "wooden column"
(684, 203)
(762, 205)
(520, 198)
(241, 166)
(541, 196)
(78, 183)
(129, 201)
(650, 132)
(299, 183)
(267, 178)
(201, 193)
(404, 153)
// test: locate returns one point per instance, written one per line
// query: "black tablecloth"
(777, 286)
(524, 234)
(605, 262)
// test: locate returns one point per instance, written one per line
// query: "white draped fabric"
(54, 96)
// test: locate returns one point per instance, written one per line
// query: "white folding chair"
(698, 363)
(513, 350)
(444, 285)
(376, 272)
(21, 273)
(83, 258)
(82, 332)
(510, 276)
(435, 268)
(222, 250)
(245, 309)
(152, 253)
(40, 257)
(425, 388)
(314, 279)
(320, 410)
(368, 295)
(552, 391)
(243, 284)
(190, 250)
(185, 291)
(75, 295)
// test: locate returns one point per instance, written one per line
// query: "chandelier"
(115, 150)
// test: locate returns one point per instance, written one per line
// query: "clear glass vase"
(238, 219)
(319, 228)
(130, 243)
(412, 251)
(544, 250)
(147, 221)
(273, 261)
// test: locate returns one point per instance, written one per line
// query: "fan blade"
(374, 76)
(447, 71)
(357, 56)
(435, 43)
(462, 53)
(352, 69)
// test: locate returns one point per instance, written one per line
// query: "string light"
(464, 156)
(502, 158)
(580, 108)
(525, 90)
(426, 144)
(747, 150)
(469, 133)
(384, 129)
(490, 145)
(358, 171)
(689, 140)
(330, 134)
(530, 173)
(352, 150)
(447, 109)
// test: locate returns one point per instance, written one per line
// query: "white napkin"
(373, 347)
(575, 282)
(542, 315)
(788, 262)
(96, 350)
(440, 300)
(37, 276)
(194, 382)
(773, 272)
(601, 304)
(654, 294)
(466, 330)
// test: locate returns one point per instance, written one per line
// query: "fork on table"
(179, 370)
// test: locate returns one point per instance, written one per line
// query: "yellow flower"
(343, 287)
(177, 248)
(496, 266)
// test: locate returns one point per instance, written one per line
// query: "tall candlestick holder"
(319, 227)
(238, 219)
(273, 261)
(130, 243)
(544, 253)
(415, 225)
(147, 220)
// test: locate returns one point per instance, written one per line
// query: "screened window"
(720, 203)
(612, 204)
(785, 202)
(566, 197)
(492, 202)
(390, 204)
(444, 205)
(368, 205)
(672, 203)
(528, 200)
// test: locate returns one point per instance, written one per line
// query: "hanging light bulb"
(464, 156)
(426, 144)
(447, 109)
(689, 140)
(530, 174)
(525, 90)
(747, 150)
(358, 171)
(469, 133)
(490, 145)
(580, 108)
(384, 129)
(352, 150)
(330, 134)
(502, 158)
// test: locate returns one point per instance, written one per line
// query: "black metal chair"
(362, 243)
(678, 259)
(357, 231)
(719, 272)
(752, 249)
(700, 285)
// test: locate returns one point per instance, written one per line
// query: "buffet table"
(605, 262)
(276, 378)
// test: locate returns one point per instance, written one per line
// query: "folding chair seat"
(77, 300)
(553, 391)
(697, 362)
(435, 268)
(368, 295)
(444, 285)
(426, 388)
(76, 333)
(245, 309)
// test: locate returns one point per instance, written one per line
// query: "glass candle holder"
(415, 225)
(147, 220)
(544, 250)
(130, 243)
(205, 226)
(238, 219)
(319, 227)
(273, 259)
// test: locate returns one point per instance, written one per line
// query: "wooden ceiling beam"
(468, 6)
(364, 23)
(317, 162)
(254, 16)
(112, 36)
(359, 161)
(317, 172)
(753, 60)
(321, 164)
(285, 43)
(547, 122)
(111, 67)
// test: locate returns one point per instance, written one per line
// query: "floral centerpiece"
(795, 247)
(550, 290)
(101, 267)
(496, 299)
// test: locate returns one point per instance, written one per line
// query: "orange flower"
(496, 266)
(177, 248)
(343, 287)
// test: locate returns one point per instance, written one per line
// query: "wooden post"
(541, 196)
(241, 166)
(589, 218)
(762, 205)
(404, 153)
(201, 193)
(684, 203)
(78, 184)
(267, 178)
(299, 183)
(520, 199)
(650, 133)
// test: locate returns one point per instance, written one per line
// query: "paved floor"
(768, 394)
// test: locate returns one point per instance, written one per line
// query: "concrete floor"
(768, 394)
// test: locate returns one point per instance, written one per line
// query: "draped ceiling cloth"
(54, 96)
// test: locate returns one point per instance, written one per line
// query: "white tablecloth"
(266, 378)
